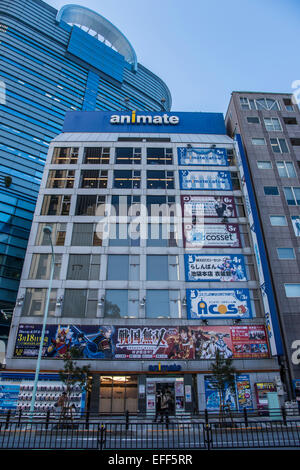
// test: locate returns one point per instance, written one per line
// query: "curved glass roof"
(82, 16)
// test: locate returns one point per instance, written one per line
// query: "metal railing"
(207, 433)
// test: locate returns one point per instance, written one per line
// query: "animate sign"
(143, 119)
(164, 368)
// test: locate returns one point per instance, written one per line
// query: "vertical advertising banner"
(202, 156)
(208, 206)
(205, 180)
(270, 309)
(218, 303)
(223, 267)
(241, 397)
(212, 236)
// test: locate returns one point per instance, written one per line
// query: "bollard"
(127, 419)
(167, 420)
(246, 417)
(7, 419)
(206, 416)
(87, 418)
(47, 418)
(283, 412)
(20, 416)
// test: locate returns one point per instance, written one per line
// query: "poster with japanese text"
(109, 342)
(222, 267)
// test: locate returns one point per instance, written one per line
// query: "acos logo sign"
(143, 119)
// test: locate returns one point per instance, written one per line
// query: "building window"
(58, 234)
(65, 155)
(258, 141)
(83, 267)
(278, 220)
(121, 303)
(292, 290)
(271, 191)
(246, 103)
(41, 266)
(286, 169)
(93, 179)
(292, 196)
(127, 179)
(264, 165)
(86, 235)
(35, 302)
(123, 234)
(61, 179)
(290, 121)
(295, 142)
(96, 155)
(288, 104)
(267, 104)
(159, 156)
(296, 224)
(125, 205)
(160, 179)
(163, 303)
(80, 303)
(279, 145)
(11, 267)
(128, 156)
(253, 120)
(56, 205)
(90, 205)
(286, 253)
(162, 268)
(272, 124)
(123, 267)
(162, 234)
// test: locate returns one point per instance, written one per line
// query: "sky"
(204, 50)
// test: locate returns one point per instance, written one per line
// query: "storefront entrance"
(118, 394)
(156, 387)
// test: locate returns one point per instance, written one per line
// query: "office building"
(52, 62)
(147, 301)
(269, 128)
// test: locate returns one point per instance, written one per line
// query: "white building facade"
(157, 265)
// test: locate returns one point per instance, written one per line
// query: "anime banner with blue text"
(109, 342)
(205, 180)
(218, 303)
(202, 156)
(222, 267)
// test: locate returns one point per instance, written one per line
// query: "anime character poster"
(146, 342)
(223, 267)
(90, 342)
(208, 206)
(240, 397)
(205, 180)
(202, 156)
(218, 303)
(211, 236)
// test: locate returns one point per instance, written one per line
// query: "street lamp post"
(47, 231)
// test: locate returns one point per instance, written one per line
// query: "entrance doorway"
(156, 386)
(118, 394)
(165, 389)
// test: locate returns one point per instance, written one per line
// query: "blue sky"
(204, 50)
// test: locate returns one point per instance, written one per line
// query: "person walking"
(164, 406)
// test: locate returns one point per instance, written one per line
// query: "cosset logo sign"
(134, 118)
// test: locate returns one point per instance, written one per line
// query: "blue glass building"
(53, 61)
